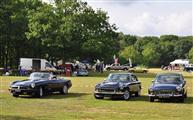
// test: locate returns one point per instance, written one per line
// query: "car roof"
(123, 73)
(169, 74)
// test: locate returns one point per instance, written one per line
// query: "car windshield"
(39, 76)
(118, 77)
(169, 79)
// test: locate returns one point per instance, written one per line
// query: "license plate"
(164, 96)
(17, 90)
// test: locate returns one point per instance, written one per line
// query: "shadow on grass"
(145, 98)
(13, 117)
(58, 96)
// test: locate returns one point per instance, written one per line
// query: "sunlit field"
(80, 104)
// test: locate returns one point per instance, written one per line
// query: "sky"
(149, 17)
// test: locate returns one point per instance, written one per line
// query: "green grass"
(80, 104)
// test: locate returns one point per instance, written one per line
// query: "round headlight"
(178, 88)
(33, 85)
(151, 89)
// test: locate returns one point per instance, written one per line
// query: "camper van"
(36, 64)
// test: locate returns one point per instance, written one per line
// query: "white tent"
(180, 62)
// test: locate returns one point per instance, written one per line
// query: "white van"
(36, 64)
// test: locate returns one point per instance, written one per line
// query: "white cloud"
(149, 18)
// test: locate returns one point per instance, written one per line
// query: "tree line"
(71, 29)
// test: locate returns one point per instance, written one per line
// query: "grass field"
(80, 104)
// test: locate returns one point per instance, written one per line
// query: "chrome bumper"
(165, 95)
(109, 93)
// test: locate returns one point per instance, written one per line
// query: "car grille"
(106, 90)
(164, 92)
(19, 87)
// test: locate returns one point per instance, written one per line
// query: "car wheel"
(64, 90)
(40, 92)
(138, 93)
(151, 99)
(125, 69)
(126, 95)
(181, 100)
(98, 96)
(15, 95)
(185, 95)
(108, 69)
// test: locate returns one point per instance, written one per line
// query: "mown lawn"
(80, 104)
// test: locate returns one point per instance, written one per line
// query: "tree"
(190, 55)
(132, 53)
(151, 56)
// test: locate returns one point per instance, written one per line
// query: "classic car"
(138, 70)
(81, 72)
(122, 85)
(39, 84)
(117, 67)
(168, 85)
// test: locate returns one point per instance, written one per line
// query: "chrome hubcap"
(126, 95)
(65, 89)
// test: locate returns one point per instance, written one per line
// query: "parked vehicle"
(36, 64)
(188, 68)
(168, 85)
(117, 67)
(81, 72)
(138, 70)
(39, 84)
(122, 85)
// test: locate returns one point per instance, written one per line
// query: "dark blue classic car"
(39, 84)
(168, 85)
(118, 85)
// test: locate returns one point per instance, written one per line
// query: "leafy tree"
(132, 53)
(150, 55)
(190, 55)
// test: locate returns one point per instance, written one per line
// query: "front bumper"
(165, 95)
(109, 94)
(22, 91)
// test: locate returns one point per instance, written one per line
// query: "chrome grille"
(164, 92)
(106, 90)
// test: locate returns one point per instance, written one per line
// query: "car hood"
(165, 86)
(25, 82)
(111, 85)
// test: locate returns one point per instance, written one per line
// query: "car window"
(133, 78)
(118, 77)
(169, 79)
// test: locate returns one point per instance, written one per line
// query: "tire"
(98, 96)
(185, 95)
(138, 93)
(108, 69)
(40, 92)
(126, 95)
(181, 100)
(125, 69)
(151, 99)
(15, 95)
(64, 90)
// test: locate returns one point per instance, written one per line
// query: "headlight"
(150, 89)
(178, 88)
(121, 86)
(33, 85)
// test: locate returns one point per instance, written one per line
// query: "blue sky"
(149, 17)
